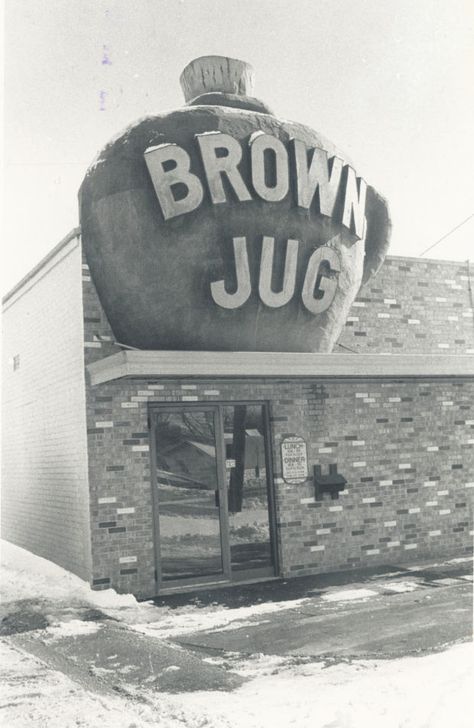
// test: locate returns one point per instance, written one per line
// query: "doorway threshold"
(211, 586)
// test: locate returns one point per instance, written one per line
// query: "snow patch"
(28, 576)
(200, 620)
(349, 595)
(399, 586)
(73, 628)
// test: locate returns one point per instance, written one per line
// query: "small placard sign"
(294, 459)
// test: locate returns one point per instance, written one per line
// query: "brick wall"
(405, 448)
(44, 479)
(415, 306)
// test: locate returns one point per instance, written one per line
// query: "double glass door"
(213, 504)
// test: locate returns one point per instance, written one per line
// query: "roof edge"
(74, 233)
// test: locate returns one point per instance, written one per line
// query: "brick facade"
(414, 306)
(405, 447)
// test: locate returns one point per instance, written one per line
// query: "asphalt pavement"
(380, 613)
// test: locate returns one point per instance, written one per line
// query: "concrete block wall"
(413, 306)
(405, 448)
(45, 494)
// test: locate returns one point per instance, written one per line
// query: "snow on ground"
(216, 618)
(398, 586)
(34, 695)
(432, 691)
(349, 595)
(27, 576)
(72, 628)
(417, 692)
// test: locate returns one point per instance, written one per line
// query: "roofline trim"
(241, 364)
(74, 233)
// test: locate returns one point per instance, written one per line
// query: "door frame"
(227, 577)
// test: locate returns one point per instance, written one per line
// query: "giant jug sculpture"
(221, 227)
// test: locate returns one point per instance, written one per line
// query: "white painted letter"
(156, 158)
(316, 281)
(267, 295)
(242, 272)
(259, 143)
(322, 175)
(215, 167)
(353, 216)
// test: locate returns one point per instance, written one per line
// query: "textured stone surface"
(153, 276)
(216, 73)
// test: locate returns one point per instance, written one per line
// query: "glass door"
(211, 491)
(188, 494)
(247, 484)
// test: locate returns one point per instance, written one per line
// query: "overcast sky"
(389, 81)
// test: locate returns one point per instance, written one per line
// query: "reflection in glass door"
(212, 495)
(188, 494)
(247, 487)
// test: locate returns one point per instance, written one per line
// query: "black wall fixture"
(332, 483)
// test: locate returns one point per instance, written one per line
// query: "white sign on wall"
(294, 459)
